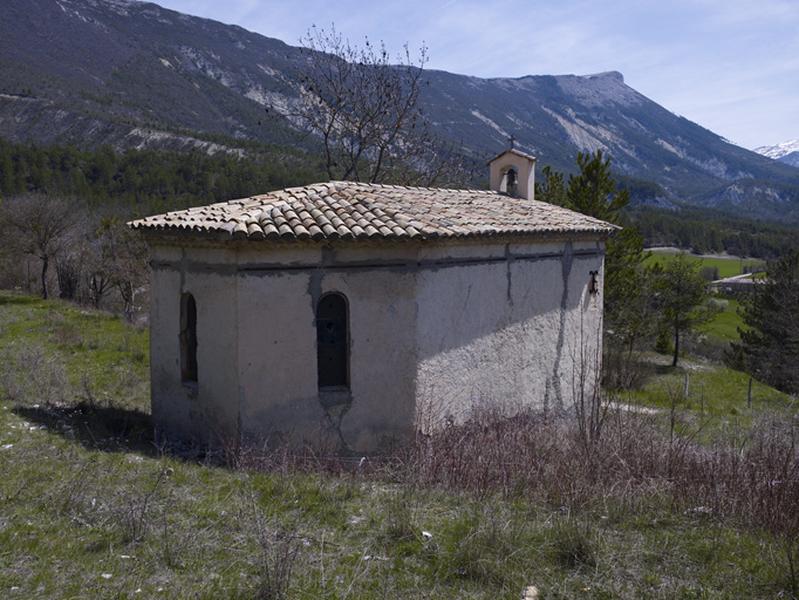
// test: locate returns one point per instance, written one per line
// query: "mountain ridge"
(135, 75)
(786, 152)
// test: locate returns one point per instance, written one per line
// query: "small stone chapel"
(369, 311)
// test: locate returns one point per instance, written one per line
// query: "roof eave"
(185, 235)
(513, 151)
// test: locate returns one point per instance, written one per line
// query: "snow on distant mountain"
(786, 152)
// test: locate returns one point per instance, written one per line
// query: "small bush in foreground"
(573, 543)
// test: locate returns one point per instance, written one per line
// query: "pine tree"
(628, 316)
(593, 192)
(770, 341)
(681, 297)
(551, 188)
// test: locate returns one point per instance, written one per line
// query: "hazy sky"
(730, 65)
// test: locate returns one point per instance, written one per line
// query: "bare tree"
(39, 225)
(365, 109)
(75, 260)
(97, 272)
(124, 259)
(68, 268)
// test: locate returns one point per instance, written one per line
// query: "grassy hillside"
(90, 508)
(713, 391)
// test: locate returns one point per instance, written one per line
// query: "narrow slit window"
(188, 339)
(332, 341)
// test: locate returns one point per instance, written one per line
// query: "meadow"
(91, 507)
(728, 266)
(725, 325)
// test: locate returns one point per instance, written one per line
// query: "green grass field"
(90, 508)
(727, 266)
(98, 353)
(725, 324)
(713, 389)
(723, 328)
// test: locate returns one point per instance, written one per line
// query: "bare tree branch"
(39, 225)
(364, 108)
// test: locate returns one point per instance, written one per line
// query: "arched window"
(510, 182)
(332, 341)
(188, 339)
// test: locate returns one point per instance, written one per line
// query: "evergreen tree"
(681, 297)
(593, 191)
(151, 180)
(707, 229)
(770, 341)
(628, 319)
(629, 313)
(551, 188)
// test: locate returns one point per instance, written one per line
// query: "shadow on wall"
(109, 429)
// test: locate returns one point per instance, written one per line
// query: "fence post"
(749, 394)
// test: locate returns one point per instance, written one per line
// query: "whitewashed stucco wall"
(506, 335)
(209, 411)
(277, 348)
(435, 332)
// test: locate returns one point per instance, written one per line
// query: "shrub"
(478, 545)
(573, 542)
(278, 555)
(399, 523)
(31, 374)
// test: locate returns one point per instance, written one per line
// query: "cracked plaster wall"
(429, 341)
(509, 335)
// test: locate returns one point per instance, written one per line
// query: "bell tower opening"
(510, 182)
(512, 172)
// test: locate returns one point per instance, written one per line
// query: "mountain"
(786, 152)
(133, 75)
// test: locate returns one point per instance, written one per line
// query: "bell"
(511, 184)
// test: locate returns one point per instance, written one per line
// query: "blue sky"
(730, 65)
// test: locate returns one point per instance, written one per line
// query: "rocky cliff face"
(132, 75)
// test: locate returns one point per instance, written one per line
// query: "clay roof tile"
(350, 210)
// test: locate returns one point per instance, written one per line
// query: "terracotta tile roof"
(351, 210)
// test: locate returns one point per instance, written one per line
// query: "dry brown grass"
(752, 477)
(638, 465)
